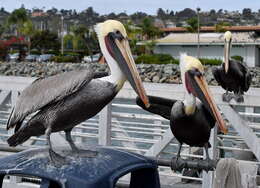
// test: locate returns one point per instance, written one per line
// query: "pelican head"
(114, 45)
(227, 46)
(192, 73)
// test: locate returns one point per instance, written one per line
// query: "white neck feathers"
(117, 77)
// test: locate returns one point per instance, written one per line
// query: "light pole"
(62, 31)
(198, 50)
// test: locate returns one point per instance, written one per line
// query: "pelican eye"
(118, 35)
(196, 72)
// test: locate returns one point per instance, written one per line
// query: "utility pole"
(198, 50)
(62, 31)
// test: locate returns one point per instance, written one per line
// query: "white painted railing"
(124, 125)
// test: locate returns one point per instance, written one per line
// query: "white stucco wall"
(249, 53)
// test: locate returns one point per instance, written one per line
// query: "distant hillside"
(49, 19)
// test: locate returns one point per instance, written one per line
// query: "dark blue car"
(102, 170)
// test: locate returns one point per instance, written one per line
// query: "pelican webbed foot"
(177, 164)
(56, 159)
(210, 165)
(239, 98)
(226, 97)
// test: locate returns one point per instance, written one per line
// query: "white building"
(245, 44)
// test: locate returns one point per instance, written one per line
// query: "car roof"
(101, 170)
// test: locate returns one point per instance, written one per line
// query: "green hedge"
(72, 54)
(65, 59)
(168, 59)
(205, 61)
(156, 59)
(238, 58)
(35, 52)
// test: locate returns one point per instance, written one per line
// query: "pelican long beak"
(227, 47)
(201, 90)
(120, 50)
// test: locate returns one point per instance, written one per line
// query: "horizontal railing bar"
(232, 148)
(131, 139)
(126, 106)
(139, 128)
(129, 148)
(136, 132)
(135, 116)
(183, 154)
(140, 123)
(181, 176)
(80, 134)
(249, 114)
(85, 127)
(231, 137)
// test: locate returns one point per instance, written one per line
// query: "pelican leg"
(211, 164)
(177, 163)
(78, 152)
(55, 158)
(70, 141)
(226, 97)
(179, 151)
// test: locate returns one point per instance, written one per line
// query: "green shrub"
(35, 52)
(156, 59)
(168, 59)
(238, 58)
(54, 52)
(3, 52)
(65, 59)
(72, 54)
(205, 61)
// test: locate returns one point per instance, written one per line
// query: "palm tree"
(220, 27)
(83, 38)
(148, 29)
(192, 25)
(79, 36)
(28, 30)
(2, 30)
(17, 18)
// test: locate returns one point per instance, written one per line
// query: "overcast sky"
(131, 6)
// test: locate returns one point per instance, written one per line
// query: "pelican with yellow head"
(232, 75)
(191, 120)
(65, 100)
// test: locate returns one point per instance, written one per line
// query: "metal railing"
(124, 125)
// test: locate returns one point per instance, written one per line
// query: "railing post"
(156, 149)
(104, 131)
(249, 109)
(209, 177)
(4, 95)
(158, 123)
(14, 96)
(79, 138)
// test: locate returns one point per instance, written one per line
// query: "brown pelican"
(191, 121)
(65, 100)
(233, 75)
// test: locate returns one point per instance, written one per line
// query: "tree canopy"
(192, 25)
(18, 17)
(148, 29)
(45, 40)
